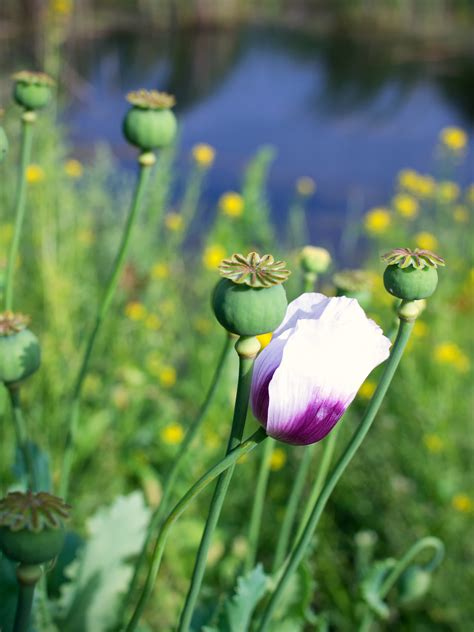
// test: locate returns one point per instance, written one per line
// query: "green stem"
(329, 446)
(146, 162)
(27, 122)
(228, 462)
(22, 436)
(27, 577)
(257, 507)
(292, 507)
(354, 444)
(309, 281)
(246, 360)
(399, 568)
(171, 477)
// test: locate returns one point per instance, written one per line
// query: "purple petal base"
(312, 425)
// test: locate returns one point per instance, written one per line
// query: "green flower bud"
(20, 353)
(32, 526)
(32, 90)
(150, 123)
(414, 584)
(314, 259)
(354, 284)
(3, 144)
(250, 299)
(411, 274)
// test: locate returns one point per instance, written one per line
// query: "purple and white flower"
(307, 376)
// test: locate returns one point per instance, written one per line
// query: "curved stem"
(27, 577)
(73, 420)
(22, 436)
(246, 361)
(329, 446)
(292, 507)
(25, 154)
(354, 444)
(257, 508)
(171, 477)
(401, 565)
(228, 462)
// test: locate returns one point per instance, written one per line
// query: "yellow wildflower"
(449, 353)
(305, 186)
(174, 222)
(426, 241)
(367, 389)
(172, 434)
(167, 376)
(213, 256)
(377, 221)
(73, 168)
(461, 214)
(408, 179)
(425, 186)
(448, 191)
(203, 154)
(470, 194)
(135, 311)
(264, 340)
(231, 204)
(153, 322)
(453, 138)
(406, 205)
(433, 443)
(462, 503)
(6, 234)
(278, 459)
(160, 271)
(34, 174)
(420, 329)
(86, 236)
(62, 7)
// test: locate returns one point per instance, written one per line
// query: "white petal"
(308, 305)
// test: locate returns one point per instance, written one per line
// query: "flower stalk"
(27, 577)
(247, 349)
(226, 464)
(405, 328)
(27, 121)
(146, 161)
(22, 435)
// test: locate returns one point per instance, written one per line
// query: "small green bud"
(414, 584)
(314, 259)
(411, 274)
(20, 353)
(32, 526)
(354, 284)
(3, 144)
(150, 123)
(33, 90)
(250, 299)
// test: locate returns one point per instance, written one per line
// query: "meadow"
(154, 361)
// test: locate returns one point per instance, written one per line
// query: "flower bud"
(354, 284)
(150, 124)
(32, 526)
(411, 274)
(20, 353)
(250, 299)
(3, 144)
(32, 90)
(414, 584)
(314, 259)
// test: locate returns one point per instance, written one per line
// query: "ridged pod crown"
(250, 299)
(150, 124)
(411, 274)
(32, 526)
(20, 353)
(32, 90)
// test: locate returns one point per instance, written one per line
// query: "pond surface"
(348, 114)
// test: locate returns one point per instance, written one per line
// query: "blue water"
(332, 111)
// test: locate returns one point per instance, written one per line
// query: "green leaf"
(102, 571)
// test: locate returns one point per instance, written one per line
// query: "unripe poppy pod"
(414, 584)
(20, 353)
(150, 123)
(411, 274)
(32, 90)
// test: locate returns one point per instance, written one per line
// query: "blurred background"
(346, 92)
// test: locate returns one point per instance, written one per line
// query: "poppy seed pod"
(150, 123)
(250, 299)
(414, 584)
(3, 144)
(314, 259)
(32, 90)
(32, 526)
(411, 274)
(20, 353)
